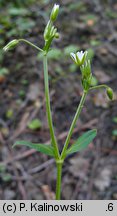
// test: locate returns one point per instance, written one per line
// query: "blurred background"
(83, 25)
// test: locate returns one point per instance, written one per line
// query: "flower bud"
(109, 93)
(54, 13)
(57, 35)
(11, 45)
(47, 31)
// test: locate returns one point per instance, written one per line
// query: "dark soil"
(91, 174)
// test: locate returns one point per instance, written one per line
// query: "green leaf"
(3, 71)
(46, 149)
(6, 177)
(95, 42)
(82, 142)
(71, 48)
(90, 54)
(18, 11)
(53, 54)
(114, 119)
(35, 124)
(9, 113)
(114, 133)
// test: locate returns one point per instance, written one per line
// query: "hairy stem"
(48, 110)
(31, 44)
(59, 176)
(63, 154)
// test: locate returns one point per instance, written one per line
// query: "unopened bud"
(11, 45)
(57, 35)
(47, 30)
(109, 93)
(54, 13)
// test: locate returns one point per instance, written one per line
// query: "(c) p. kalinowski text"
(57, 207)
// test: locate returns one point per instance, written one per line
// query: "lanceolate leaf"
(82, 142)
(46, 149)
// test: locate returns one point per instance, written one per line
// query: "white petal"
(56, 6)
(73, 56)
(80, 55)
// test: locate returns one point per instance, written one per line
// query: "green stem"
(63, 154)
(99, 86)
(59, 176)
(31, 44)
(48, 110)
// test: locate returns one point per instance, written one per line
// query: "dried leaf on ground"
(48, 193)
(103, 180)
(100, 100)
(102, 76)
(79, 167)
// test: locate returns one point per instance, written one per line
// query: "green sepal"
(11, 45)
(47, 30)
(82, 142)
(43, 148)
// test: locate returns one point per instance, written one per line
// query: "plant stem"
(99, 86)
(63, 154)
(31, 44)
(59, 176)
(48, 110)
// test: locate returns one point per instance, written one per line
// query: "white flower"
(79, 58)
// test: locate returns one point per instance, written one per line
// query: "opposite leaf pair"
(80, 144)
